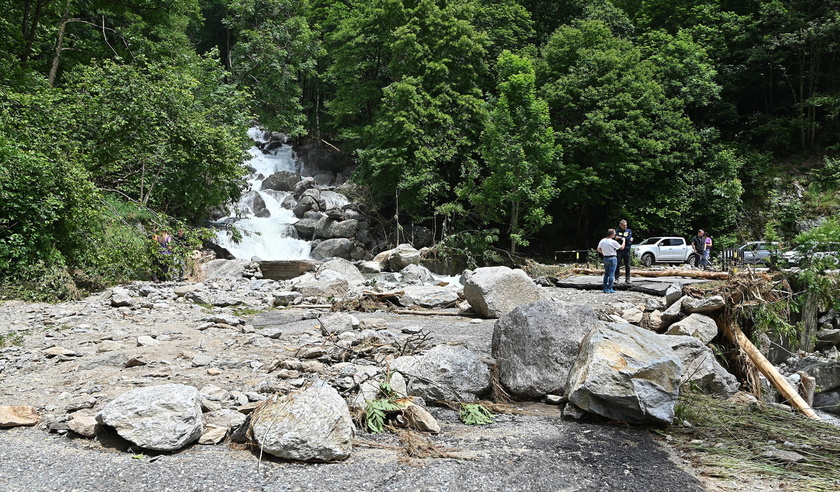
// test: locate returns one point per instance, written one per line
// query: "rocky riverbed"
(235, 340)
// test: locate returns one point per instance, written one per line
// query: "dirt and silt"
(530, 448)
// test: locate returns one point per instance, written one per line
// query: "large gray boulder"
(281, 181)
(310, 425)
(160, 418)
(340, 268)
(446, 372)
(254, 204)
(695, 325)
(536, 344)
(322, 288)
(417, 274)
(625, 373)
(402, 256)
(705, 305)
(328, 228)
(332, 248)
(495, 291)
(700, 369)
(428, 296)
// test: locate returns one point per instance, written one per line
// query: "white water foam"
(267, 238)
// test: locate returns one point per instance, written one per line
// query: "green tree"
(520, 152)
(412, 104)
(275, 49)
(168, 138)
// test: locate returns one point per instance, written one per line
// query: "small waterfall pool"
(271, 237)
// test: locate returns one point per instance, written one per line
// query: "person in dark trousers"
(698, 244)
(624, 254)
(609, 247)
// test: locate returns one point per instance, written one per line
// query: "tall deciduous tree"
(275, 49)
(519, 149)
(413, 103)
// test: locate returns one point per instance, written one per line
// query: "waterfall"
(266, 227)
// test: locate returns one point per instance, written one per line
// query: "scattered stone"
(84, 425)
(213, 435)
(695, 325)
(309, 425)
(447, 372)
(332, 324)
(706, 305)
(147, 341)
(59, 351)
(700, 368)
(18, 416)
(419, 418)
(495, 291)
(160, 418)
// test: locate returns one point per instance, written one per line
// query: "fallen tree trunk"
(662, 273)
(791, 395)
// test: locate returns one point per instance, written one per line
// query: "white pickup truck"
(664, 250)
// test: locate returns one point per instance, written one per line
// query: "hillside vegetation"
(527, 125)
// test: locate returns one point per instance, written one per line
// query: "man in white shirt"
(609, 247)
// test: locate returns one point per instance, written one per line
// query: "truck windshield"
(650, 240)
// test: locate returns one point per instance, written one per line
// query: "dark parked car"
(754, 252)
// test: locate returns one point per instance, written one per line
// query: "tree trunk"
(809, 323)
(59, 43)
(734, 333)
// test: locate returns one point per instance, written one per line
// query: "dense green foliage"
(511, 123)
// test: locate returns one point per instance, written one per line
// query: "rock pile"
(170, 364)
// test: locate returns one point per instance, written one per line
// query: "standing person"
(624, 253)
(609, 247)
(708, 251)
(698, 244)
(163, 259)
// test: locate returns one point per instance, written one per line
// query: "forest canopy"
(538, 122)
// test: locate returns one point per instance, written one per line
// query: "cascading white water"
(267, 238)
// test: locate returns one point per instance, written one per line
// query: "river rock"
(84, 425)
(400, 257)
(417, 274)
(700, 368)
(310, 425)
(495, 291)
(704, 305)
(161, 418)
(536, 344)
(121, 297)
(17, 416)
(252, 203)
(305, 204)
(340, 268)
(695, 325)
(323, 289)
(625, 373)
(419, 418)
(328, 228)
(674, 312)
(281, 181)
(428, 296)
(332, 324)
(447, 372)
(332, 248)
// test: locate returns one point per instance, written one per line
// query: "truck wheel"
(647, 259)
(694, 261)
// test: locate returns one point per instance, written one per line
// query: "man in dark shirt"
(698, 244)
(624, 254)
